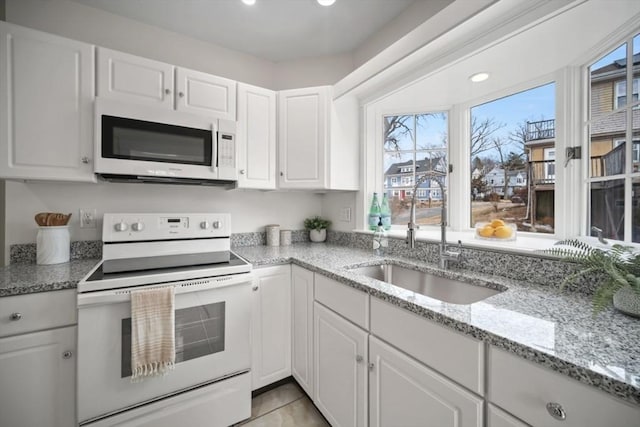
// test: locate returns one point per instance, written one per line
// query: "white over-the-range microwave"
(136, 143)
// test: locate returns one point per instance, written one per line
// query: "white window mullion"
(628, 185)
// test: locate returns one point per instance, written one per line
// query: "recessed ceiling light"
(326, 2)
(249, 2)
(479, 77)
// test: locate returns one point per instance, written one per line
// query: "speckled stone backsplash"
(260, 238)
(534, 268)
(25, 253)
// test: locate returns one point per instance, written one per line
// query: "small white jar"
(285, 237)
(273, 234)
(53, 245)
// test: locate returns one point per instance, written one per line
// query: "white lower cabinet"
(496, 417)
(271, 325)
(302, 284)
(38, 377)
(544, 398)
(340, 355)
(403, 392)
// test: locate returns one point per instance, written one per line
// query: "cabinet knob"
(281, 173)
(241, 171)
(167, 91)
(359, 358)
(67, 354)
(85, 160)
(556, 411)
(181, 94)
(371, 366)
(15, 316)
(255, 288)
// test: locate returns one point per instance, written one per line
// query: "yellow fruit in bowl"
(486, 231)
(503, 232)
(497, 223)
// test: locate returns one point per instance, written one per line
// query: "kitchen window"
(613, 178)
(413, 145)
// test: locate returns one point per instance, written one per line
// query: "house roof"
(421, 166)
(614, 69)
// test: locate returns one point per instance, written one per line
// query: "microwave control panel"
(149, 227)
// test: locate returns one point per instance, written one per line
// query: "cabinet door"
(203, 93)
(496, 417)
(38, 379)
(256, 136)
(340, 358)
(271, 326)
(406, 393)
(303, 133)
(130, 78)
(302, 323)
(46, 95)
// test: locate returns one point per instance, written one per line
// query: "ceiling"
(276, 30)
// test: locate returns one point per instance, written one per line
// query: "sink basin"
(440, 288)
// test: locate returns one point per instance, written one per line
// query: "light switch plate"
(345, 214)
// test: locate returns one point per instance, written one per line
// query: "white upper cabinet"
(256, 137)
(204, 93)
(318, 140)
(46, 115)
(128, 77)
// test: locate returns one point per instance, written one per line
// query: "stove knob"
(121, 226)
(216, 224)
(204, 225)
(137, 226)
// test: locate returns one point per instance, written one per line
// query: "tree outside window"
(414, 145)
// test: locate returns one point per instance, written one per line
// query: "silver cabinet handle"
(167, 91)
(85, 160)
(241, 171)
(180, 94)
(15, 316)
(67, 354)
(371, 366)
(255, 288)
(281, 173)
(359, 358)
(556, 411)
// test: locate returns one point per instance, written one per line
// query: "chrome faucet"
(445, 253)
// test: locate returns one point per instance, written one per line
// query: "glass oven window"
(199, 332)
(155, 142)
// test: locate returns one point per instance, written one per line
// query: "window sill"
(526, 243)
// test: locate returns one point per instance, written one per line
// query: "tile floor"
(285, 406)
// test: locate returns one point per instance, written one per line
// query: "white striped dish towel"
(153, 349)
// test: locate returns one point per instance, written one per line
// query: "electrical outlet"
(88, 218)
(345, 214)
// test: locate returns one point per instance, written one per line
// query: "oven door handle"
(121, 295)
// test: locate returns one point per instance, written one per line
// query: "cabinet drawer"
(524, 389)
(42, 310)
(455, 355)
(344, 300)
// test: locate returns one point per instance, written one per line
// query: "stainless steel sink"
(440, 288)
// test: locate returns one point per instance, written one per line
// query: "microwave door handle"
(214, 149)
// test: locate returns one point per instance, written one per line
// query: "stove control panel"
(149, 227)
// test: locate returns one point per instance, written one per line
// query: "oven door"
(212, 319)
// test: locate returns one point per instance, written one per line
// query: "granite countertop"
(538, 323)
(18, 279)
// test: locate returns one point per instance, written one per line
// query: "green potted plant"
(317, 227)
(619, 267)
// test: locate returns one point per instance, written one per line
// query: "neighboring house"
(607, 149)
(399, 181)
(494, 180)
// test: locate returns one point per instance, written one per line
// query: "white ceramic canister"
(53, 245)
(273, 234)
(285, 237)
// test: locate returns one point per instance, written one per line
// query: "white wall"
(332, 203)
(250, 210)
(312, 71)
